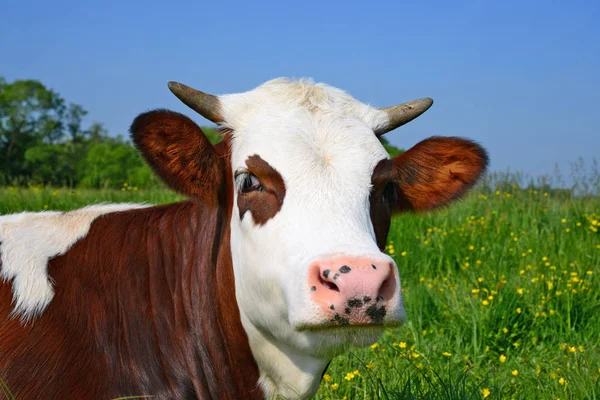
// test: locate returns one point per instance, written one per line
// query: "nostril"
(328, 285)
(388, 287)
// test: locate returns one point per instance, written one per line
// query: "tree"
(29, 115)
(112, 163)
(41, 137)
(51, 164)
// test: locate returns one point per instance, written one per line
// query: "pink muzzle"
(353, 290)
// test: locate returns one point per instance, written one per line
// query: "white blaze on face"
(322, 143)
(29, 240)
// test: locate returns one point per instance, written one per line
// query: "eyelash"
(247, 182)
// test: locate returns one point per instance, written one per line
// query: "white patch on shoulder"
(29, 240)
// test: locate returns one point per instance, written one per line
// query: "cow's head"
(313, 193)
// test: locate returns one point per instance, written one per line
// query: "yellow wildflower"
(502, 358)
(515, 372)
(485, 392)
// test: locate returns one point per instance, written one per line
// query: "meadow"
(501, 291)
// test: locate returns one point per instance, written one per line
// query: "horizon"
(521, 79)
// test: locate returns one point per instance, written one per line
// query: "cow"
(247, 290)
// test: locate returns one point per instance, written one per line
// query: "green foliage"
(50, 164)
(212, 134)
(41, 136)
(111, 164)
(391, 149)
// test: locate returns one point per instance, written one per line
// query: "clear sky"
(520, 77)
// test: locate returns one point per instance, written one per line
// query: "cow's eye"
(250, 183)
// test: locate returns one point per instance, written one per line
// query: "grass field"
(502, 294)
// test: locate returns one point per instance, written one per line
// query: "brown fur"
(433, 173)
(263, 204)
(381, 214)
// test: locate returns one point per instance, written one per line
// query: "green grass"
(502, 294)
(36, 198)
(495, 284)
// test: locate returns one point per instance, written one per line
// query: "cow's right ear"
(179, 152)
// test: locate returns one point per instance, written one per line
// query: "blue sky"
(520, 77)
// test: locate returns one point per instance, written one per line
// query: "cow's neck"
(185, 330)
(284, 371)
(214, 313)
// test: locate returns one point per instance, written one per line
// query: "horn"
(204, 104)
(404, 113)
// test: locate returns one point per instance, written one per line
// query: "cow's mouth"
(346, 326)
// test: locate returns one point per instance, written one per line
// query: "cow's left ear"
(432, 173)
(179, 152)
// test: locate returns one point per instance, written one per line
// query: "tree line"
(43, 140)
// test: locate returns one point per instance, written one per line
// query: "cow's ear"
(179, 152)
(433, 173)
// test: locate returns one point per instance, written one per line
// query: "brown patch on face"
(264, 204)
(433, 173)
(381, 213)
(179, 152)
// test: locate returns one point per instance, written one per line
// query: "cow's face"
(307, 265)
(313, 193)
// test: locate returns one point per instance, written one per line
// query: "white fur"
(29, 240)
(322, 143)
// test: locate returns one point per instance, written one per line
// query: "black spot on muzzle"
(356, 303)
(345, 269)
(376, 314)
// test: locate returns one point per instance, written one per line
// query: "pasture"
(501, 291)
